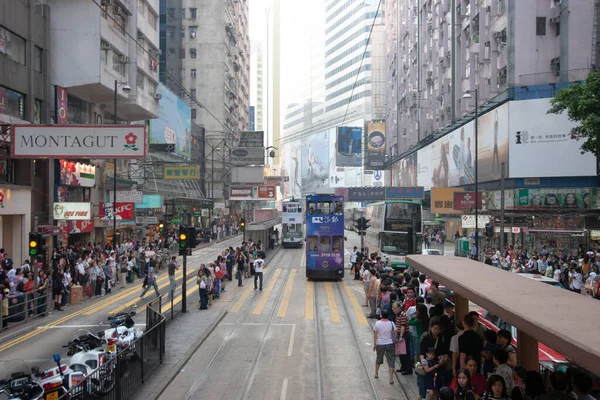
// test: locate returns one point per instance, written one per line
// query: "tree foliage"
(581, 101)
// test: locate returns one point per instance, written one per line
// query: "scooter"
(16, 382)
(122, 330)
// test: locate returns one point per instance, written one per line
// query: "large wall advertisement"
(537, 136)
(315, 161)
(375, 152)
(291, 158)
(174, 126)
(349, 146)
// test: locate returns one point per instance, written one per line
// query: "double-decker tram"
(292, 223)
(395, 229)
(324, 237)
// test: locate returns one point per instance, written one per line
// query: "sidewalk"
(195, 326)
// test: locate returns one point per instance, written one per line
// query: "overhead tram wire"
(362, 59)
(169, 76)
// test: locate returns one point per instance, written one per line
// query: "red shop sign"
(125, 211)
(266, 192)
(81, 226)
(466, 200)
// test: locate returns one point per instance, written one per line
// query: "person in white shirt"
(383, 344)
(575, 280)
(366, 278)
(81, 271)
(258, 272)
(422, 286)
(149, 255)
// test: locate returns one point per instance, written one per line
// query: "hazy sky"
(294, 47)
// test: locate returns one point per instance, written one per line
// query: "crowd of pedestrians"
(453, 357)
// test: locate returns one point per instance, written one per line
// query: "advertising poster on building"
(442, 201)
(125, 211)
(77, 174)
(375, 139)
(493, 144)
(408, 170)
(552, 198)
(72, 211)
(81, 226)
(291, 158)
(150, 201)
(466, 200)
(266, 192)
(239, 192)
(252, 139)
(252, 125)
(424, 166)
(315, 161)
(175, 123)
(62, 105)
(535, 134)
(349, 146)
(181, 172)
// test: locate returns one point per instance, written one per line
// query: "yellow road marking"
(242, 300)
(178, 298)
(309, 311)
(265, 296)
(287, 295)
(162, 286)
(360, 315)
(333, 310)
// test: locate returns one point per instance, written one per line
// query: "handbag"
(394, 335)
(420, 369)
(400, 348)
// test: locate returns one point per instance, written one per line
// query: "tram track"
(199, 382)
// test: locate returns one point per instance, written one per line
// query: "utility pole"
(502, 208)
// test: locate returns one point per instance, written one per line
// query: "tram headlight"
(325, 264)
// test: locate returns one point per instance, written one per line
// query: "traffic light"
(191, 232)
(361, 224)
(242, 225)
(35, 242)
(183, 240)
(161, 227)
(489, 230)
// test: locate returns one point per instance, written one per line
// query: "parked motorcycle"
(122, 330)
(17, 383)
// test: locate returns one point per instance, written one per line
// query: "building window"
(557, 28)
(193, 113)
(170, 32)
(152, 19)
(171, 12)
(193, 73)
(37, 112)
(14, 47)
(13, 103)
(183, 13)
(193, 13)
(151, 89)
(140, 80)
(540, 26)
(182, 73)
(140, 4)
(193, 31)
(119, 22)
(192, 53)
(193, 93)
(171, 50)
(37, 59)
(182, 53)
(182, 33)
(118, 66)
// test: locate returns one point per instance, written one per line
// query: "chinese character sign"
(181, 172)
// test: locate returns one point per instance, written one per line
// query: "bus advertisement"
(325, 237)
(292, 221)
(395, 230)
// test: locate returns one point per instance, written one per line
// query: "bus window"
(313, 243)
(311, 207)
(325, 244)
(337, 243)
(339, 209)
(324, 207)
(289, 228)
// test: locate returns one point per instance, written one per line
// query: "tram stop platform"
(263, 225)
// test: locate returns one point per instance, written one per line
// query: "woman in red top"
(478, 381)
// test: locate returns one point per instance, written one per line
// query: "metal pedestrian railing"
(18, 308)
(123, 373)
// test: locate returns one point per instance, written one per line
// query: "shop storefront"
(15, 222)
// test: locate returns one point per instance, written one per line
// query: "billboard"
(493, 147)
(181, 172)
(89, 141)
(72, 211)
(248, 156)
(466, 200)
(266, 192)
(424, 167)
(81, 226)
(442, 200)
(349, 146)
(537, 136)
(174, 126)
(125, 211)
(291, 166)
(241, 192)
(77, 174)
(127, 196)
(404, 193)
(375, 145)
(407, 170)
(252, 139)
(315, 161)
(252, 125)
(62, 105)
(150, 201)
(552, 198)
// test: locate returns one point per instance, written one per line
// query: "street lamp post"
(125, 89)
(467, 95)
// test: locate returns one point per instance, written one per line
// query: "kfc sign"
(72, 211)
(125, 211)
(266, 192)
(82, 226)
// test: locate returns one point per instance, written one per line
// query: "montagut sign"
(125, 211)
(72, 211)
(39, 141)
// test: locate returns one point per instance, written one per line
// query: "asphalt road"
(296, 339)
(44, 337)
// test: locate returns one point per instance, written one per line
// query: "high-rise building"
(257, 84)
(495, 45)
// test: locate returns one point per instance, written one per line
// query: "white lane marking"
(284, 389)
(244, 323)
(292, 336)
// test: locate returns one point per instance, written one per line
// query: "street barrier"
(22, 306)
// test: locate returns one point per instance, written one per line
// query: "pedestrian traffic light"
(34, 243)
(361, 224)
(183, 240)
(161, 227)
(242, 225)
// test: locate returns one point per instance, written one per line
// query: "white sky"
(295, 17)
